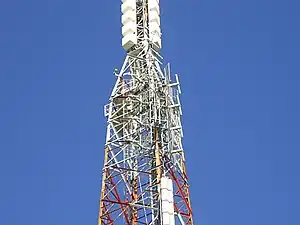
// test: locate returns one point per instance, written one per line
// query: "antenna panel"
(154, 23)
(129, 28)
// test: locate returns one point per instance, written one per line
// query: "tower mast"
(144, 178)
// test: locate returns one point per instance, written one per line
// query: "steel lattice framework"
(143, 141)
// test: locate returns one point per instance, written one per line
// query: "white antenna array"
(136, 19)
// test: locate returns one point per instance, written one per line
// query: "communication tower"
(144, 178)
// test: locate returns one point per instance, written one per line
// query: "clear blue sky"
(239, 67)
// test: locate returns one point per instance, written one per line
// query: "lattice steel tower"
(144, 177)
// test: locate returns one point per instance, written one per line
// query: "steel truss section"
(143, 144)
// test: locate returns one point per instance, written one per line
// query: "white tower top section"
(140, 24)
